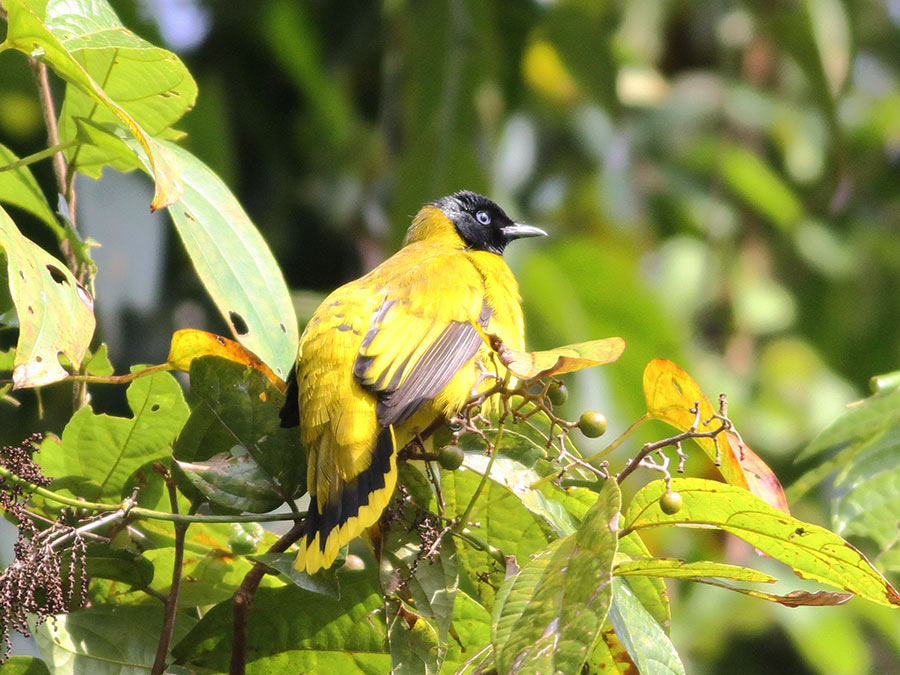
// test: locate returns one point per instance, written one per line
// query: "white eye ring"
(483, 217)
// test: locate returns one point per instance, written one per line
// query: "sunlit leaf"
(324, 582)
(651, 591)
(471, 631)
(28, 33)
(679, 569)
(19, 188)
(548, 617)
(811, 551)
(528, 365)
(56, 313)
(25, 665)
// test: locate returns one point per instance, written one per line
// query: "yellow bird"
(385, 355)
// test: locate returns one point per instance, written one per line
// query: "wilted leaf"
(811, 551)
(529, 365)
(191, 343)
(792, 599)
(28, 33)
(234, 480)
(645, 641)
(56, 313)
(679, 569)
(105, 450)
(548, 617)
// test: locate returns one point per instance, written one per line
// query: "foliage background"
(720, 180)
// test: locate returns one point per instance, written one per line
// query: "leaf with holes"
(811, 551)
(56, 313)
(234, 263)
(104, 450)
(189, 344)
(29, 32)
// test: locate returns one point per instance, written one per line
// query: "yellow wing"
(376, 352)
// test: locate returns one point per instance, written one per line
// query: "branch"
(168, 627)
(244, 596)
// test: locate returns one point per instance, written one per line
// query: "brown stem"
(171, 607)
(244, 596)
(673, 440)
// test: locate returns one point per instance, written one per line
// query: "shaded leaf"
(548, 617)
(28, 32)
(471, 631)
(56, 313)
(126, 566)
(324, 582)
(811, 551)
(105, 450)
(190, 343)
(645, 641)
(529, 365)
(234, 480)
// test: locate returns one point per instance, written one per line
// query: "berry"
(557, 393)
(670, 502)
(451, 457)
(592, 424)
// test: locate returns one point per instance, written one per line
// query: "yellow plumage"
(386, 354)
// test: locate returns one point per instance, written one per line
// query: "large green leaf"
(651, 591)
(548, 617)
(106, 640)
(105, 450)
(812, 551)
(56, 313)
(151, 84)
(235, 405)
(25, 665)
(294, 631)
(680, 569)
(645, 641)
(471, 632)
(29, 33)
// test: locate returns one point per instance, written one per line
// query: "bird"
(389, 353)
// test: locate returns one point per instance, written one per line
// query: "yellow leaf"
(189, 344)
(530, 365)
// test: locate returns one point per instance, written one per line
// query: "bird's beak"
(520, 230)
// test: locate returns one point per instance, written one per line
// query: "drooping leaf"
(792, 599)
(190, 343)
(671, 395)
(548, 617)
(29, 33)
(19, 188)
(105, 450)
(570, 358)
(235, 480)
(234, 404)
(811, 551)
(56, 313)
(327, 636)
(234, 263)
(90, 640)
(645, 641)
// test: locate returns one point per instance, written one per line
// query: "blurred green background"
(721, 181)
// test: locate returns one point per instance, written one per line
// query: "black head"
(482, 224)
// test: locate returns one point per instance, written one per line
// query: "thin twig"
(168, 627)
(244, 596)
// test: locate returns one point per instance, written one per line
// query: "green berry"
(670, 502)
(451, 457)
(557, 393)
(592, 424)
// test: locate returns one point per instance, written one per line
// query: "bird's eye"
(483, 217)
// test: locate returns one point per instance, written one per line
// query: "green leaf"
(107, 640)
(644, 639)
(234, 263)
(294, 631)
(472, 631)
(324, 582)
(29, 33)
(234, 480)
(19, 188)
(98, 363)
(56, 313)
(548, 617)
(651, 591)
(106, 450)
(811, 551)
(679, 569)
(128, 567)
(25, 665)
(233, 404)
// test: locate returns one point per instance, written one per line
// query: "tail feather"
(359, 506)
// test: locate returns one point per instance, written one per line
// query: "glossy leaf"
(548, 617)
(56, 313)
(811, 551)
(529, 365)
(104, 450)
(28, 32)
(645, 641)
(189, 344)
(233, 479)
